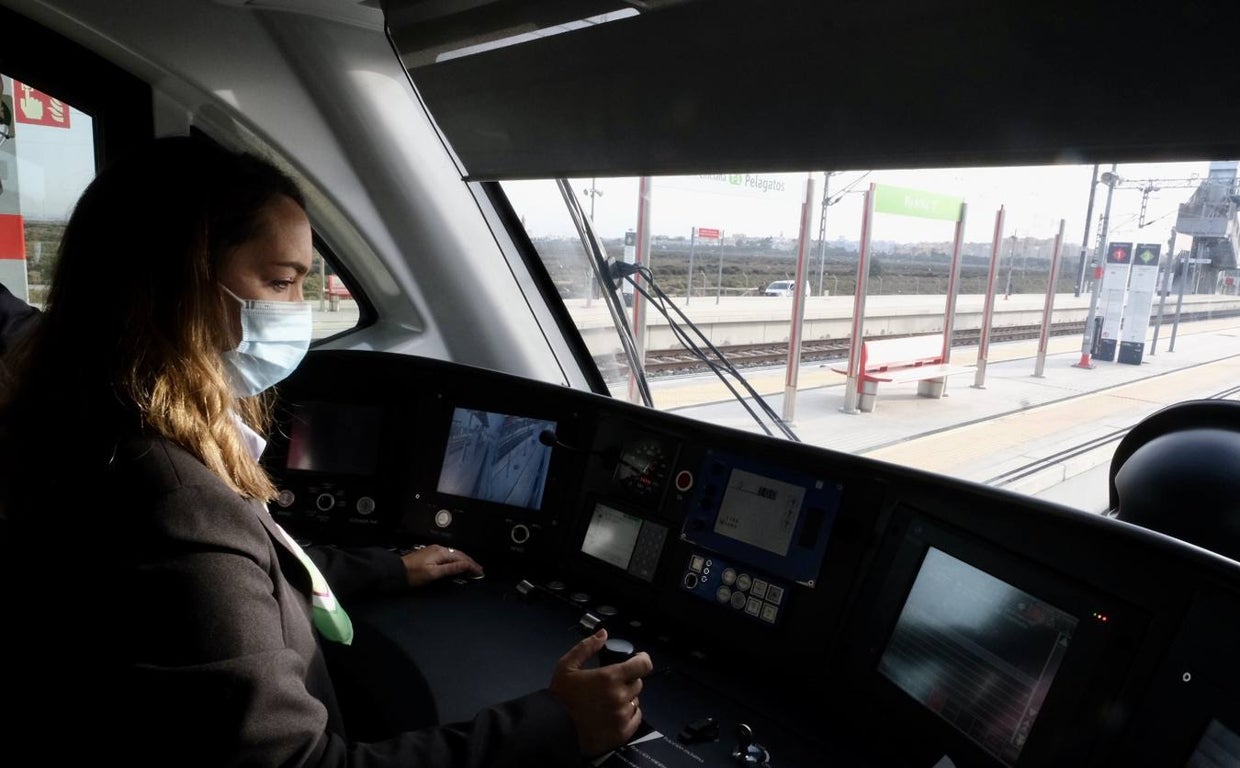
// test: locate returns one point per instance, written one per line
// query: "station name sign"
(915, 202)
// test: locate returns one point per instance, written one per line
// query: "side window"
(333, 305)
(47, 157)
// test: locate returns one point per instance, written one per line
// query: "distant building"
(1210, 218)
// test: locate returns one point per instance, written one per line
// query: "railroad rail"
(676, 362)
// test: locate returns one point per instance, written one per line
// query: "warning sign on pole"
(1141, 286)
(1112, 292)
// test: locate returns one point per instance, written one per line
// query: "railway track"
(676, 362)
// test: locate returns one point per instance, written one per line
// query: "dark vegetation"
(746, 268)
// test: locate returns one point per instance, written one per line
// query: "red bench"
(336, 288)
(904, 358)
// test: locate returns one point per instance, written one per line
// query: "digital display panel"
(1219, 746)
(611, 536)
(760, 511)
(978, 652)
(756, 513)
(496, 457)
(335, 438)
(625, 541)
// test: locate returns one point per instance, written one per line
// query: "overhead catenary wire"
(711, 364)
(598, 265)
(720, 364)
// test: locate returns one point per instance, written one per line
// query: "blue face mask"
(274, 338)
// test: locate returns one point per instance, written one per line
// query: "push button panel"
(734, 587)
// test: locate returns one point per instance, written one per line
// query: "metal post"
(642, 258)
(851, 395)
(1049, 307)
(988, 308)
(799, 295)
(322, 283)
(1011, 261)
(1089, 215)
(822, 229)
(689, 281)
(1166, 288)
(1179, 301)
(592, 193)
(953, 287)
(719, 281)
(1087, 343)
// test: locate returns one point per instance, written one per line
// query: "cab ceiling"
(731, 85)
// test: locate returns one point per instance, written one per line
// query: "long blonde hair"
(130, 342)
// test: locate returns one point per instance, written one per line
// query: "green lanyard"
(329, 618)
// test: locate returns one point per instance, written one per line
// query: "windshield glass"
(970, 363)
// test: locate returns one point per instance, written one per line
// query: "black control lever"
(614, 651)
(748, 752)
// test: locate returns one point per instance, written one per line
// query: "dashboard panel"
(815, 596)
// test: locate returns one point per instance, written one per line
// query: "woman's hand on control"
(434, 562)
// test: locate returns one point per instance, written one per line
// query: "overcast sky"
(1035, 199)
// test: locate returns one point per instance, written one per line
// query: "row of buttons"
(519, 533)
(755, 596)
(325, 502)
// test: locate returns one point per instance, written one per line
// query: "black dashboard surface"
(849, 612)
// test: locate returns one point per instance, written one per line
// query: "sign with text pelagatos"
(37, 108)
(708, 233)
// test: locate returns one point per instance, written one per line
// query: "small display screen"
(496, 457)
(1219, 746)
(335, 438)
(611, 537)
(760, 514)
(976, 651)
(624, 541)
(760, 511)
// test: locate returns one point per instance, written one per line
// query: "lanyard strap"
(329, 618)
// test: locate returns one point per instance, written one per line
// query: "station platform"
(1044, 436)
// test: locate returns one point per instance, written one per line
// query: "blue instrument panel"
(773, 518)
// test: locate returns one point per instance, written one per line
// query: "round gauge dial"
(643, 466)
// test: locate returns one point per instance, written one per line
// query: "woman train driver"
(156, 613)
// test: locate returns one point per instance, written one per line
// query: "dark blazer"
(189, 641)
(16, 316)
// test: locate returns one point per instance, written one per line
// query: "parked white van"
(783, 288)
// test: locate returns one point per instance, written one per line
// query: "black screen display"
(496, 457)
(976, 651)
(335, 438)
(1219, 746)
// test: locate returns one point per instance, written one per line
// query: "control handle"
(614, 651)
(748, 752)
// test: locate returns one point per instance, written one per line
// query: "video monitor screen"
(978, 652)
(622, 540)
(335, 438)
(496, 457)
(1219, 746)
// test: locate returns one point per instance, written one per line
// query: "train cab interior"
(804, 605)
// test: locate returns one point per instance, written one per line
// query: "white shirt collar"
(255, 442)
